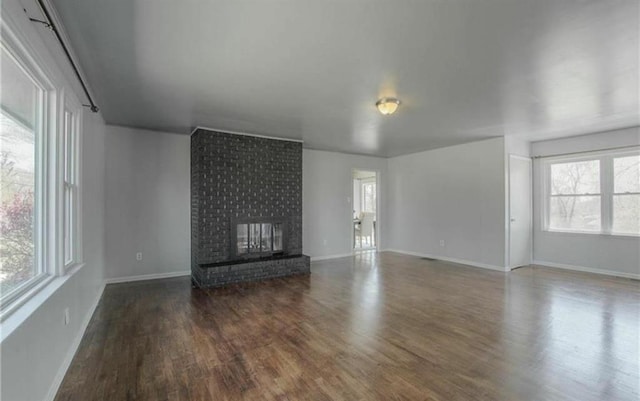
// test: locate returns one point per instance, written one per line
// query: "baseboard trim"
(452, 260)
(342, 255)
(586, 269)
(154, 276)
(62, 371)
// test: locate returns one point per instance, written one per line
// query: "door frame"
(352, 203)
(508, 263)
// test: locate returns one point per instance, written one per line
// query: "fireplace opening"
(259, 238)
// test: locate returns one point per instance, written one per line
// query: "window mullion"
(606, 185)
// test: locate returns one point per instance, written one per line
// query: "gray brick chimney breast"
(238, 179)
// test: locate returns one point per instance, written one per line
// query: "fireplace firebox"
(255, 239)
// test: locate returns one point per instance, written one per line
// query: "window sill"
(22, 308)
(591, 234)
(72, 268)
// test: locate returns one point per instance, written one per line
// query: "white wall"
(147, 192)
(517, 146)
(591, 252)
(37, 351)
(586, 143)
(148, 199)
(326, 201)
(147, 203)
(455, 194)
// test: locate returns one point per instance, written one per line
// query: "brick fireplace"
(246, 208)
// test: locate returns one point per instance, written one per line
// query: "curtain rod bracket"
(45, 23)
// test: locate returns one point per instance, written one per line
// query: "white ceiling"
(312, 70)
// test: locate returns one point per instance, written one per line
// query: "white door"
(520, 230)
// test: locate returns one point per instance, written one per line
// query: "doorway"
(365, 209)
(520, 201)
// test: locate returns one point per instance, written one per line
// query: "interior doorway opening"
(365, 209)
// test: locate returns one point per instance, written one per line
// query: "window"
(21, 138)
(597, 193)
(369, 196)
(40, 137)
(70, 187)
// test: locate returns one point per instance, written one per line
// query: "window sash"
(69, 195)
(42, 110)
(591, 159)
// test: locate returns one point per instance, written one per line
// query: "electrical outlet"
(441, 242)
(139, 256)
(67, 317)
(324, 242)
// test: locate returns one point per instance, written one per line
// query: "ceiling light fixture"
(387, 105)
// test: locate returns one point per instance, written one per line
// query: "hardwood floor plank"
(375, 326)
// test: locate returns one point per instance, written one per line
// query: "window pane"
(626, 174)
(575, 178)
(369, 197)
(243, 238)
(68, 224)
(277, 237)
(626, 214)
(576, 213)
(18, 113)
(254, 237)
(68, 143)
(265, 243)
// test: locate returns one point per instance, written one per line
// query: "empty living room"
(319, 200)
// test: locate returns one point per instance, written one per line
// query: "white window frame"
(42, 143)
(606, 188)
(70, 179)
(48, 201)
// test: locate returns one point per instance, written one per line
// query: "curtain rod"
(587, 151)
(49, 24)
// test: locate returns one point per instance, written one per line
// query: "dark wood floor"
(385, 327)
